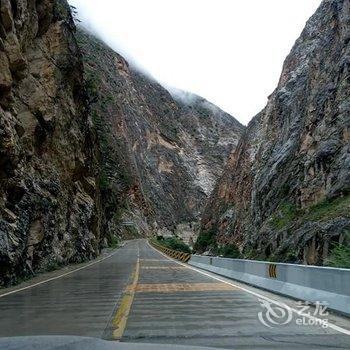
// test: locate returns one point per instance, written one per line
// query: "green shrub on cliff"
(113, 242)
(229, 251)
(340, 253)
(340, 256)
(205, 241)
(175, 243)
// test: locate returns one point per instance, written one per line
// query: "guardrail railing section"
(181, 256)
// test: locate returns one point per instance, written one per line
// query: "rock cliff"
(91, 149)
(285, 193)
(48, 212)
(161, 154)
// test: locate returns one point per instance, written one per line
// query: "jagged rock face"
(88, 145)
(48, 214)
(285, 192)
(208, 136)
(172, 149)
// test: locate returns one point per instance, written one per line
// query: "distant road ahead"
(139, 295)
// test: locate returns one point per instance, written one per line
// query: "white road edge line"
(298, 312)
(57, 277)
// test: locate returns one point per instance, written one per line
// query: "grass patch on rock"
(288, 213)
(329, 209)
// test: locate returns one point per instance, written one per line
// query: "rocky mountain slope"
(166, 151)
(48, 211)
(90, 149)
(285, 193)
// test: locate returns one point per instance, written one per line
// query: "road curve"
(140, 296)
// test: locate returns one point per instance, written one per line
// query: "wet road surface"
(139, 295)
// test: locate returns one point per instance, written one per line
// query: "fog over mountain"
(211, 49)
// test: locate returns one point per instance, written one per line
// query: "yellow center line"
(121, 317)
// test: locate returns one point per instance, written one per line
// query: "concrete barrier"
(302, 282)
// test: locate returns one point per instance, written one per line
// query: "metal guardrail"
(184, 257)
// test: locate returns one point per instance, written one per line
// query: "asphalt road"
(140, 296)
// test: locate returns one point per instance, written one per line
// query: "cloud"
(228, 51)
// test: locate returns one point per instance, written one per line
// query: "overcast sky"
(229, 51)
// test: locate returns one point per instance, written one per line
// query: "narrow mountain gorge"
(160, 156)
(91, 150)
(285, 193)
